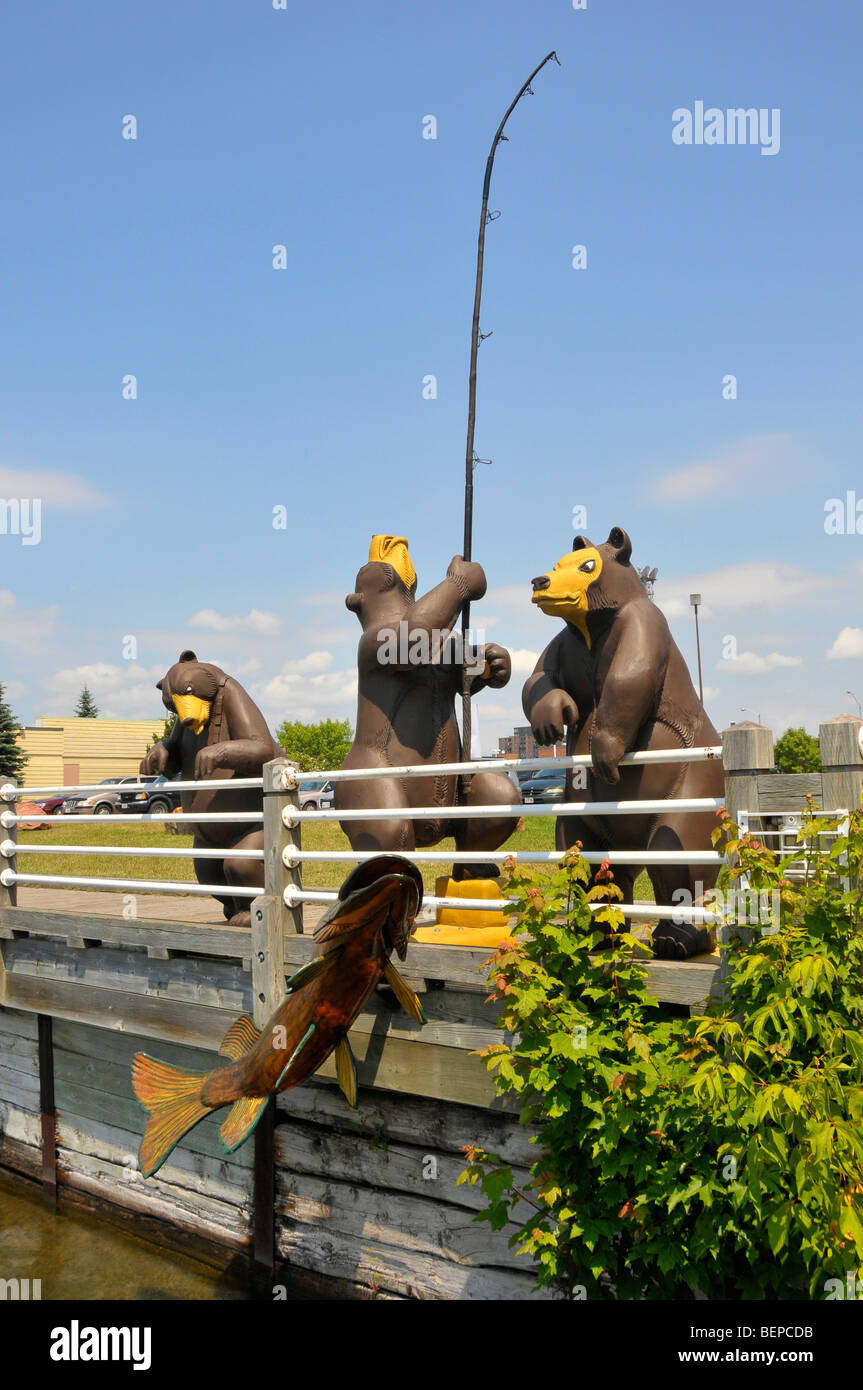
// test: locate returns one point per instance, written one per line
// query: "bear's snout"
(542, 581)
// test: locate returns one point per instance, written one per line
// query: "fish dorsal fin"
(346, 1072)
(361, 908)
(239, 1039)
(306, 973)
(409, 1001)
(294, 1055)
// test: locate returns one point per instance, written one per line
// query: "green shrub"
(721, 1154)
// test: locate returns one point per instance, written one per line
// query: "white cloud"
(751, 584)
(751, 664)
(65, 491)
(306, 689)
(255, 621)
(309, 665)
(848, 645)
(523, 661)
(121, 692)
(730, 470)
(25, 627)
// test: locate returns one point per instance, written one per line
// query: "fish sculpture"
(373, 916)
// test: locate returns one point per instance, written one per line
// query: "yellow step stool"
(466, 926)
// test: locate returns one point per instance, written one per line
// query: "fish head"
(382, 897)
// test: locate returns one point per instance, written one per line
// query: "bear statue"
(410, 674)
(219, 733)
(615, 680)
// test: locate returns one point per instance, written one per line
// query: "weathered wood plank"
(19, 1088)
(21, 1126)
(374, 1161)
(14, 1021)
(191, 1211)
(124, 1112)
(186, 1168)
(20, 1054)
(403, 1118)
(120, 1048)
(787, 791)
(166, 1019)
(404, 1221)
(383, 1268)
(212, 982)
(231, 942)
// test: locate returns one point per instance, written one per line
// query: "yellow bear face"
(562, 593)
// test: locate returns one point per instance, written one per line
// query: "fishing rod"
(471, 460)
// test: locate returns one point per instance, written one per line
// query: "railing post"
(270, 917)
(747, 751)
(842, 759)
(8, 892)
(281, 839)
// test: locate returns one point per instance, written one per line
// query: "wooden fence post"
(271, 919)
(842, 759)
(747, 751)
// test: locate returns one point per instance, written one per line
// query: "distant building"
(68, 752)
(522, 744)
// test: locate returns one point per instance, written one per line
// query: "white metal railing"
(9, 792)
(294, 857)
(292, 778)
(293, 817)
(11, 849)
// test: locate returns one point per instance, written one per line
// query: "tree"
(311, 746)
(13, 759)
(86, 707)
(797, 751)
(168, 725)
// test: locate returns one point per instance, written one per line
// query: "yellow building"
(79, 752)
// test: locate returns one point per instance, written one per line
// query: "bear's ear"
(619, 541)
(581, 543)
(186, 656)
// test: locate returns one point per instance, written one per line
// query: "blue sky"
(302, 387)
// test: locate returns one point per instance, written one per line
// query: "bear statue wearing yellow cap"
(219, 733)
(410, 673)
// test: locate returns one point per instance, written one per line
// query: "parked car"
(316, 796)
(51, 805)
(101, 803)
(544, 786)
(160, 800)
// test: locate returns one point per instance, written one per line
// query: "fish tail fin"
(173, 1098)
(241, 1120)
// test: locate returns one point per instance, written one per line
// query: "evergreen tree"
(13, 759)
(86, 707)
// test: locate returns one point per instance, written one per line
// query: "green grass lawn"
(538, 834)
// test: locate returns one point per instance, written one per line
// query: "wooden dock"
(364, 1203)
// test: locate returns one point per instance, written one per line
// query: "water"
(79, 1256)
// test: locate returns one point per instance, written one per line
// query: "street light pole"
(857, 703)
(695, 600)
(744, 709)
